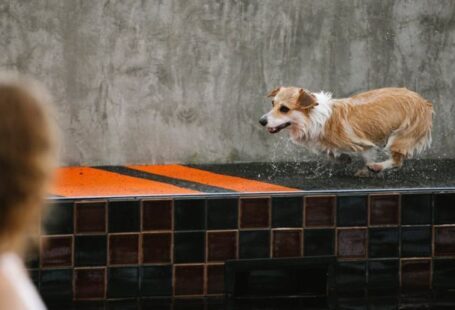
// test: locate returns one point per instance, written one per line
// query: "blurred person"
(27, 162)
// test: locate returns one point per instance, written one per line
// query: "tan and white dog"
(396, 120)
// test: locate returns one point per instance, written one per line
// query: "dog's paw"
(376, 168)
(363, 173)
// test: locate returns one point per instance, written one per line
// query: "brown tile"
(123, 249)
(215, 279)
(89, 283)
(90, 217)
(352, 243)
(444, 241)
(319, 211)
(415, 275)
(287, 243)
(254, 213)
(189, 280)
(57, 251)
(156, 214)
(221, 245)
(156, 248)
(384, 209)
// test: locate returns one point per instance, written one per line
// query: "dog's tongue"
(272, 130)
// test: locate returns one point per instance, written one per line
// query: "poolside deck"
(251, 178)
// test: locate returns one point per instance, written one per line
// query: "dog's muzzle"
(278, 128)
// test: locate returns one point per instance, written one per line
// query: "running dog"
(395, 120)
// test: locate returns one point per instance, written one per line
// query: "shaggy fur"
(393, 119)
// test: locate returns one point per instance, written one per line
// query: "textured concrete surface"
(184, 81)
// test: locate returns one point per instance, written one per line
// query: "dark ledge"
(326, 176)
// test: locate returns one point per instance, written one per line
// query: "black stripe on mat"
(159, 178)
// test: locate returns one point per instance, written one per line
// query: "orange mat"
(91, 182)
(214, 179)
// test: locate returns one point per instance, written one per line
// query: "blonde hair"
(27, 158)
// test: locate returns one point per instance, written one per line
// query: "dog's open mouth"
(278, 128)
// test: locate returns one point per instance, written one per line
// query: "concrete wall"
(184, 80)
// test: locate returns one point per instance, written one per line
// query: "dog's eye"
(284, 109)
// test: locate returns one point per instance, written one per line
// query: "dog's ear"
(306, 99)
(274, 92)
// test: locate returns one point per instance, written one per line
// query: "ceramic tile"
(189, 247)
(89, 283)
(91, 217)
(221, 245)
(352, 210)
(156, 281)
(122, 282)
(319, 242)
(156, 248)
(189, 280)
(352, 243)
(319, 211)
(57, 251)
(156, 215)
(189, 214)
(254, 244)
(222, 213)
(90, 250)
(384, 209)
(123, 216)
(254, 213)
(287, 243)
(287, 211)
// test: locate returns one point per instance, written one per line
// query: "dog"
(395, 120)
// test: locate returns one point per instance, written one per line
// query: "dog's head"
(288, 103)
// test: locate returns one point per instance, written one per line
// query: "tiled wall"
(147, 248)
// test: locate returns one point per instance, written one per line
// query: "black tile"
(222, 213)
(90, 251)
(128, 304)
(123, 282)
(34, 276)
(32, 259)
(350, 278)
(383, 275)
(444, 274)
(415, 241)
(318, 242)
(189, 214)
(444, 209)
(287, 211)
(123, 216)
(189, 247)
(383, 242)
(416, 209)
(352, 211)
(57, 284)
(156, 281)
(59, 219)
(254, 244)
(156, 303)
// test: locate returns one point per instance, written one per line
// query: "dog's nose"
(263, 121)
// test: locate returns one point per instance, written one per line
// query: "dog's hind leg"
(369, 157)
(395, 161)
